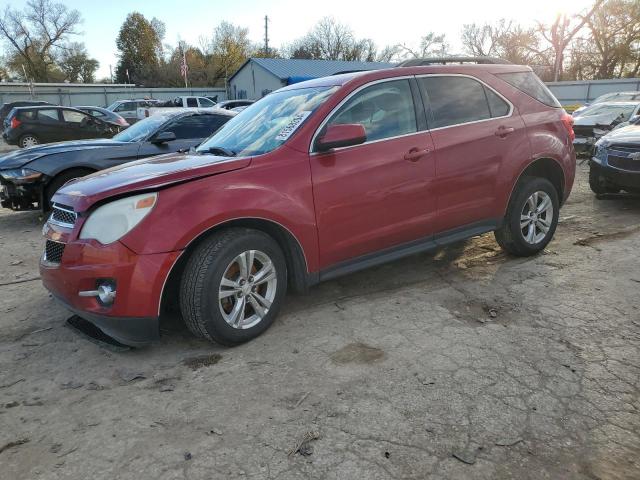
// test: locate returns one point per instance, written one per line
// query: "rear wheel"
(58, 181)
(233, 285)
(28, 140)
(532, 217)
(599, 184)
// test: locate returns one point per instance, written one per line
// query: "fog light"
(105, 292)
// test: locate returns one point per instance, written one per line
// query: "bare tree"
(227, 49)
(34, 34)
(560, 34)
(431, 45)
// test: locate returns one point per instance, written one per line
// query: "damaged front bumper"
(21, 196)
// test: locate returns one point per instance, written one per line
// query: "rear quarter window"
(529, 83)
(28, 115)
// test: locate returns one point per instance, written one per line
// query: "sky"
(387, 23)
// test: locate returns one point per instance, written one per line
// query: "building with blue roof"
(259, 76)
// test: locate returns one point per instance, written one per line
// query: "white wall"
(253, 79)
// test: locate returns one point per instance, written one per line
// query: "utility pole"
(266, 35)
(110, 74)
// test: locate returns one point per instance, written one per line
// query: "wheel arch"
(543, 167)
(299, 278)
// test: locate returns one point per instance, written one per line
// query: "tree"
(227, 49)
(138, 44)
(503, 39)
(560, 34)
(614, 29)
(35, 35)
(431, 45)
(76, 64)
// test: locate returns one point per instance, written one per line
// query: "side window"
(205, 102)
(384, 110)
(48, 116)
(192, 102)
(126, 107)
(73, 117)
(97, 113)
(497, 106)
(455, 100)
(196, 126)
(28, 115)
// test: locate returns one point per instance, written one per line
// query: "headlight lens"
(112, 221)
(601, 151)
(21, 175)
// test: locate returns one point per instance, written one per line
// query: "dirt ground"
(460, 363)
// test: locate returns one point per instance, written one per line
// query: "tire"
(28, 140)
(58, 181)
(209, 316)
(599, 184)
(511, 236)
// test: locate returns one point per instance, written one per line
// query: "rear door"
(376, 195)
(475, 131)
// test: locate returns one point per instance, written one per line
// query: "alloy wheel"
(536, 217)
(247, 289)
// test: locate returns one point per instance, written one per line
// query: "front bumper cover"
(20, 197)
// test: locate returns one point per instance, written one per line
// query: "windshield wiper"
(219, 150)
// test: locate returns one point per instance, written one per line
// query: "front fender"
(278, 191)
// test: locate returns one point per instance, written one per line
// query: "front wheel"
(233, 285)
(532, 217)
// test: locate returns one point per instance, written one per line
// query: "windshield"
(268, 123)
(599, 109)
(140, 130)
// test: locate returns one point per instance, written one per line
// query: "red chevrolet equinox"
(316, 180)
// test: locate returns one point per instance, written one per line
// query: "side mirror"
(635, 120)
(345, 135)
(163, 137)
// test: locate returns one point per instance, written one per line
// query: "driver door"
(377, 195)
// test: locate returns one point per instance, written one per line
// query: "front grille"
(63, 214)
(624, 163)
(53, 251)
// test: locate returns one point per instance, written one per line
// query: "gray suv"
(129, 108)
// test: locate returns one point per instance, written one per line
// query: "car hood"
(19, 158)
(592, 120)
(628, 134)
(143, 175)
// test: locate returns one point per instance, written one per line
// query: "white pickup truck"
(178, 102)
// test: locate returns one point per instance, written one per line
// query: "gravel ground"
(460, 363)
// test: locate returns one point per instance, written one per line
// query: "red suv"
(316, 180)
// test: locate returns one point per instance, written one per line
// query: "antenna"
(266, 35)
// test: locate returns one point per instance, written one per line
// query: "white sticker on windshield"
(291, 127)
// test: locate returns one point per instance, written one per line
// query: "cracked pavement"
(460, 363)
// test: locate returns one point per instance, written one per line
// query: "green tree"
(139, 44)
(35, 36)
(76, 64)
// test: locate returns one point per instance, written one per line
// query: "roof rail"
(417, 62)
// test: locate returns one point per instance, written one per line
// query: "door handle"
(502, 132)
(416, 154)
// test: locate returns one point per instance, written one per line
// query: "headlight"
(21, 175)
(112, 221)
(601, 150)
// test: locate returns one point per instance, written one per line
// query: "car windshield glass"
(268, 123)
(600, 109)
(141, 129)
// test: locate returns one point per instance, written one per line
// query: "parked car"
(238, 109)
(229, 104)
(29, 126)
(128, 109)
(30, 177)
(615, 165)
(7, 107)
(610, 97)
(107, 116)
(178, 102)
(598, 120)
(316, 180)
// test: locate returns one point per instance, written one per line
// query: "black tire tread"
(193, 279)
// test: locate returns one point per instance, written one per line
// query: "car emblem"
(634, 156)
